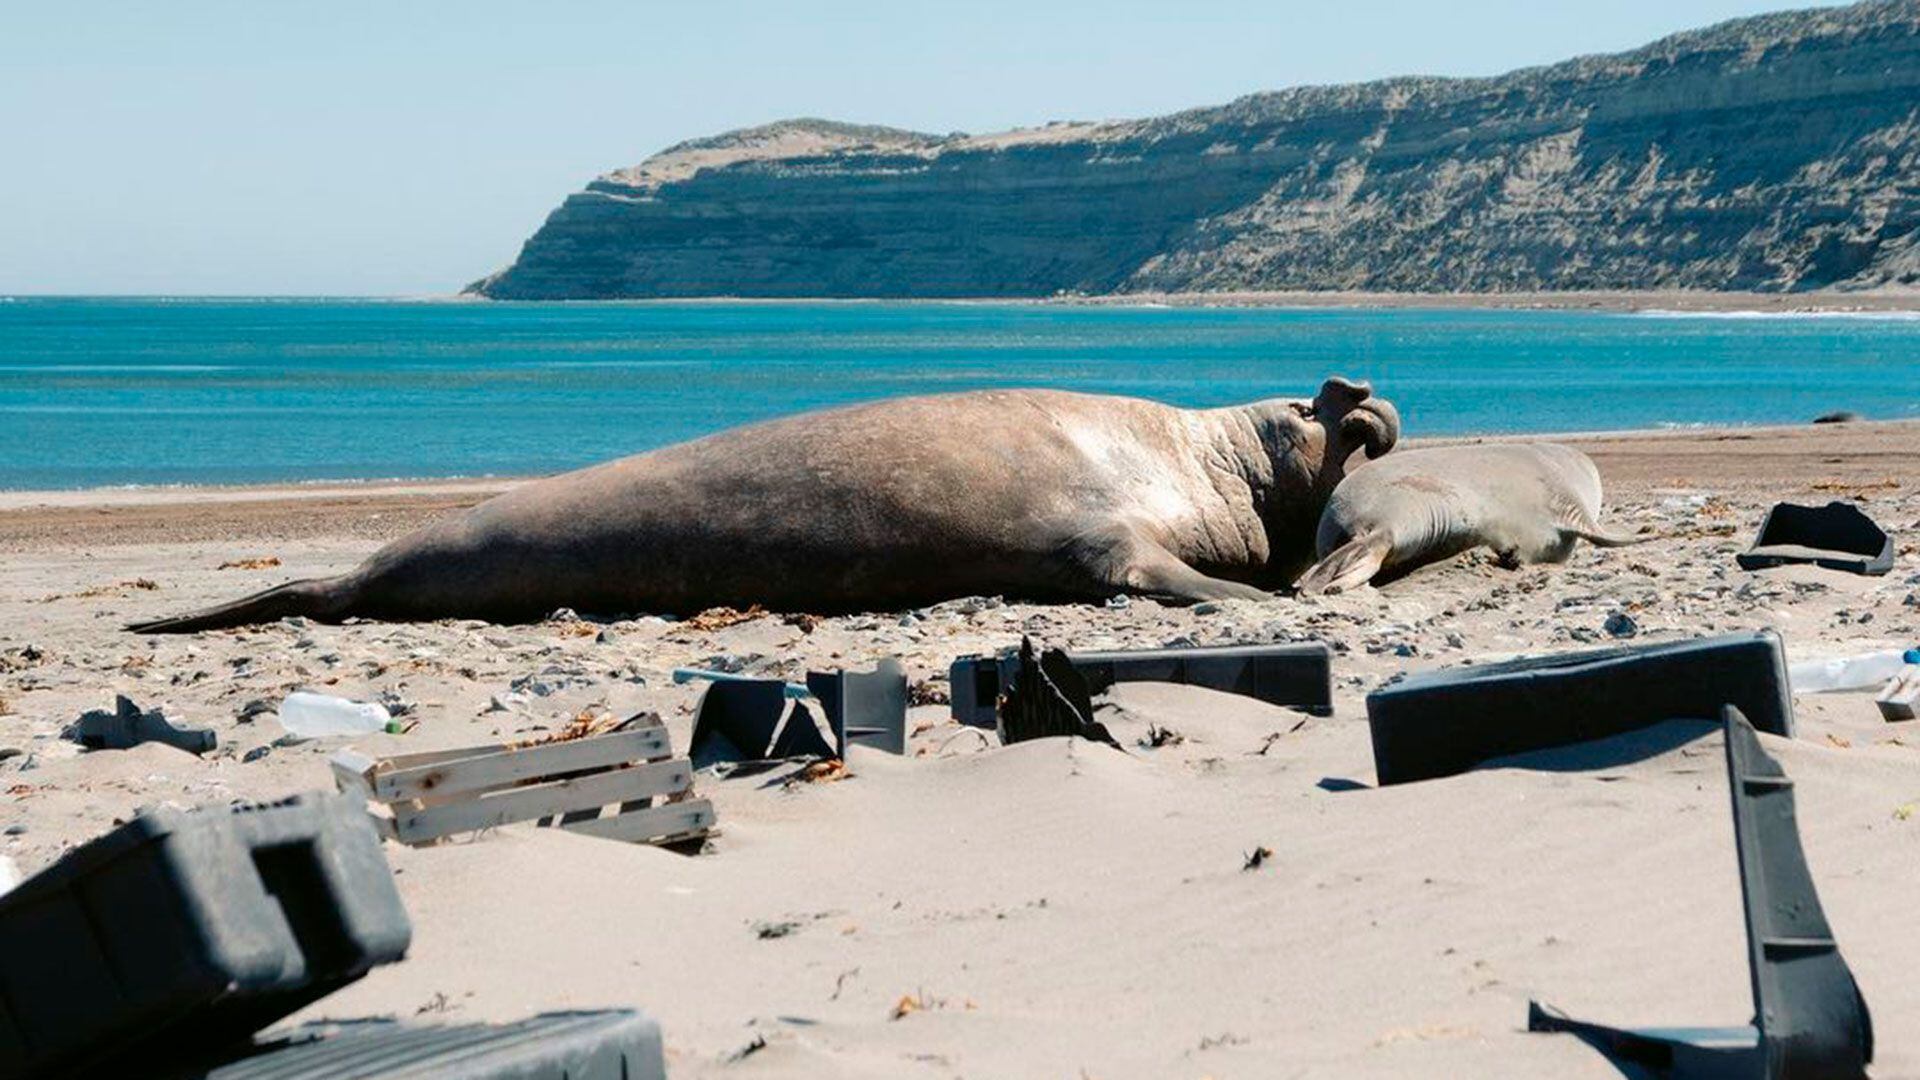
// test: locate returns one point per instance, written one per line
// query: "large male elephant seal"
(1529, 502)
(1034, 493)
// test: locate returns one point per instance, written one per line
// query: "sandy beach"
(1055, 908)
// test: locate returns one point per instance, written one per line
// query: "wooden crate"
(420, 798)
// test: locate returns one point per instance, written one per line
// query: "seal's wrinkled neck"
(1292, 453)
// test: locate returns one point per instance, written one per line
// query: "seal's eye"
(1302, 409)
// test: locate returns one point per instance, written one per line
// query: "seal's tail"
(1351, 564)
(311, 597)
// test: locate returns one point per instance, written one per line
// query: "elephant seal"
(1529, 502)
(1042, 494)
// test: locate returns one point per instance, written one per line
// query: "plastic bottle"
(316, 716)
(1867, 671)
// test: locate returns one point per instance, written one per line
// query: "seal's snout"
(1339, 394)
(1362, 420)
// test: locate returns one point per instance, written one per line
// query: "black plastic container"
(1438, 723)
(611, 1045)
(1298, 675)
(1838, 536)
(190, 929)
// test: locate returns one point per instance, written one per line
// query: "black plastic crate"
(1295, 675)
(1838, 536)
(1438, 723)
(610, 1045)
(190, 929)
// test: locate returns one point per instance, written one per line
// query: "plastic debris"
(1442, 722)
(1900, 698)
(865, 707)
(1048, 699)
(128, 726)
(1864, 671)
(1838, 536)
(1294, 676)
(189, 930)
(1809, 1020)
(318, 716)
(610, 1045)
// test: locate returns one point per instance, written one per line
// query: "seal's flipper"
(1152, 570)
(312, 597)
(1598, 538)
(1350, 565)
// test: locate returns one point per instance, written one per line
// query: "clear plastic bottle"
(1867, 671)
(317, 716)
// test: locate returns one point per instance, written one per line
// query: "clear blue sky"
(408, 146)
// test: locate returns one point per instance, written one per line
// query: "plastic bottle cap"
(1912, 657)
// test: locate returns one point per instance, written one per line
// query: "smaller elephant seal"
(1529, 502)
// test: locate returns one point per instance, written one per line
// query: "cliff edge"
(1774, 153)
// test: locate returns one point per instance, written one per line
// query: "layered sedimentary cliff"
(1774, 153)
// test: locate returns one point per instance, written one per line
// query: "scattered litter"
(1900, 699)
(1048, 698)
(317, 716)
(1838, 536)
(1621, 625)
(1438, 723)
(748, 719)
(616, 1044)
(422, 797)
(1809, 1017)
(1258, 857)
(128, 726)
(865, 707)
(200, 949)
(1863, 671)
(743, 719)
(1295, 675)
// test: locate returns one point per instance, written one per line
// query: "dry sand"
(1055, 908)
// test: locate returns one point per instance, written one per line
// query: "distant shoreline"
(1687, 301)
(1680, 301)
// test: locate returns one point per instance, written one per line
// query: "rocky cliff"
(1777, 153)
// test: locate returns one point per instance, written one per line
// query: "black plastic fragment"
(748, 720)
(1443, 722)
(1838, 536)
(1298, 675)
(1810, 1022)
(1047, 699)
(128, 726)
(190, 928)
(609, 1045)
(865, 707)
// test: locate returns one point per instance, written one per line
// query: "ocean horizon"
(100, 392)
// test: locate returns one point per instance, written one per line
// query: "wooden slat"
(524, 803)
(487, 769)
(350, 771)
(655, 823)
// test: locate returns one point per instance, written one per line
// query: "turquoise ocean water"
(113, 391)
